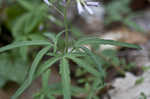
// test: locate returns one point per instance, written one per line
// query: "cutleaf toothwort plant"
(75, 53)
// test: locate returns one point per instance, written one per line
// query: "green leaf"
(51, 36)
(96, 86)
(76, 90)
(42, 97)
(23, 51)
(3, 81)
(37, 36)
(50, 96)
(25, 4)
(139, 81)
(65, 78)
(54, 88)
(45, 78)
(34, 18)
(55, 20)
(143, 96)
(84, 65)
(96, 61)
(28, 81)
(12, 67)
(55, 39)
(18, 26)
(60, 33)
(29, 21)
(95, 40)
(47, 64)
(23, 43)
(76, 54)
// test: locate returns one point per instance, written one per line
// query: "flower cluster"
(82, 5)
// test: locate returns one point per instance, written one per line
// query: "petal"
(89, 9)
(47, 2)
(80, 7)
(92, 3)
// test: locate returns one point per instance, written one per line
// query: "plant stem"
(66, 27)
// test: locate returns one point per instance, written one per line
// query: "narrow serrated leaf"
(96, 61)
(23, 43)
(28, 81)
(54, 40)
(47, 65)
(84, 65)
(95, 40)
(65, 78)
